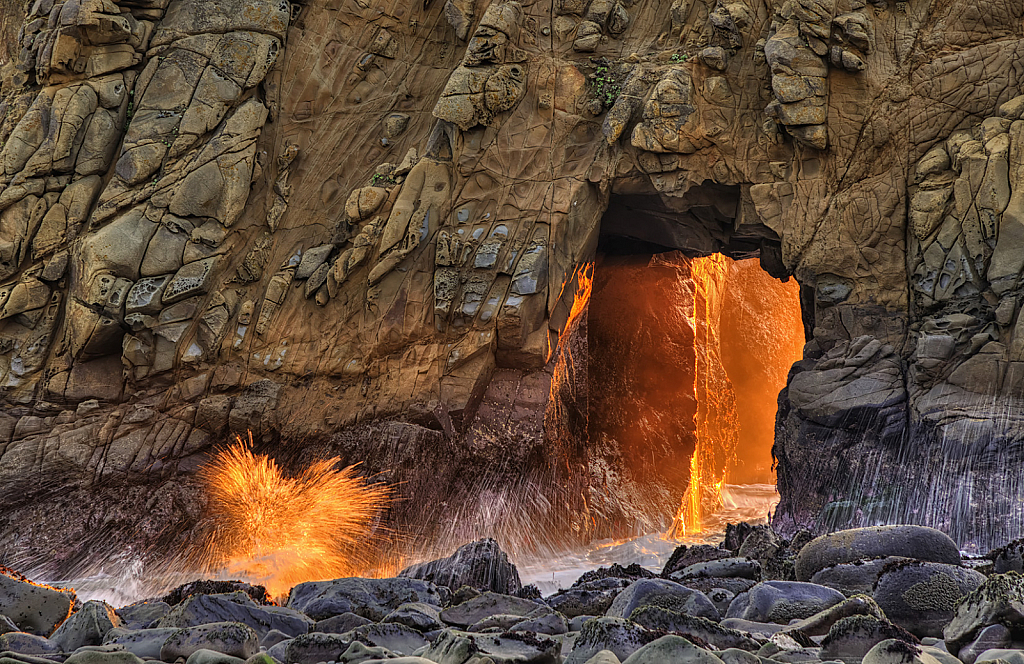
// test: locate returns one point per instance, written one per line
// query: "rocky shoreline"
(881, 595)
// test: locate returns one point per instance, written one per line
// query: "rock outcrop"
(360, 224)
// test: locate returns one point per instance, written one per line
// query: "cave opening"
(692, 327)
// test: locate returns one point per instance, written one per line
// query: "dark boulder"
(921, 597)
(846, 546)
(481, 565)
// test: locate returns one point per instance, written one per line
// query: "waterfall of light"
(715, 422)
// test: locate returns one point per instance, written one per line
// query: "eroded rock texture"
(354, 224)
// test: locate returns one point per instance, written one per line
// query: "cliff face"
(358, 221)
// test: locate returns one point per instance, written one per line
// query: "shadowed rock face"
(350, 225)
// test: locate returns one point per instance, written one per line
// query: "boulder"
(344, 622)
(1010, 656)
(752, 627)
(663, 593)
(1009, 558)
(142, 615)
(358, 652)
(604, 657)
(230, 638)
(921, 597)
(393, 636)
(671, 648)
(212, 657)
(745, 568)
(685, 556)
(735, 585)
(212, 587)
(846, 546)
(34, 608)
(27, 644)
(86, 627)
(417, 615)
(997, 601)
(238, 607)
(481, 565)
(272, 638)
(850, 639)
(591, 598)
(720, 597)
(144, 643)
(370, 598)
(993, 637)
(310, 648)
(820, 623)
(94, 657)
(455, 647)
(620, 636)
(543, 621)
(484, 606)
(895, 651)
(783, 601)
(656, 618)
(854, 578)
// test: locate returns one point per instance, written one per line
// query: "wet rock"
(1009, 558)
(820, 623)
(705, 631)
(993, 637)
(417, 615)
(782, 601)
(27, 644)
(685, 556)
(591, 598)
(272, 638)
(229, 638)
(921, 597)
(33, 608)
(850, 639)
(212, 657)
(7, 625)
(620, 636)
(753, 627)
(853, 578)
(310, 648)
(484, 606)
(370, 598)
(746, 568)
(997, 601)
(236, 607)
(142, 615)
(342, 623)
(453, 646)
(86, 627)
(393, 636)
(547, 622)
(481, 565)
(663, 593)
(211, 587)
(145, 643)
(93, 657)
(846, 546)
(894, 651)
(671, 648)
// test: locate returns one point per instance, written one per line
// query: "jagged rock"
(591, 598)
(481, 565)
(723, 568)
(310, 648)
(455, 646)
(922, 597)
(782, 601)
(999, 600)
(821, 623)
(685, 556)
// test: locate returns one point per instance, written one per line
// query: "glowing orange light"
(280, 531)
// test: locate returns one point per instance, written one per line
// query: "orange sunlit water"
(278, 530)
(736, 382)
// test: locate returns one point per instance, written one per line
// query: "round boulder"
(663, 593)
(846, 546)
(922, 597)
(783, 601)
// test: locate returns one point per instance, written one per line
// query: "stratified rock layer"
(357, 225)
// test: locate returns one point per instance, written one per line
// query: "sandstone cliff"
(358, 221)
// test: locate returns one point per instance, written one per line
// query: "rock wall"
(345, 223)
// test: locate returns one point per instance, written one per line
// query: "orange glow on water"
(279, 531)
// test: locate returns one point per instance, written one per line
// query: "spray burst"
(279, 531)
